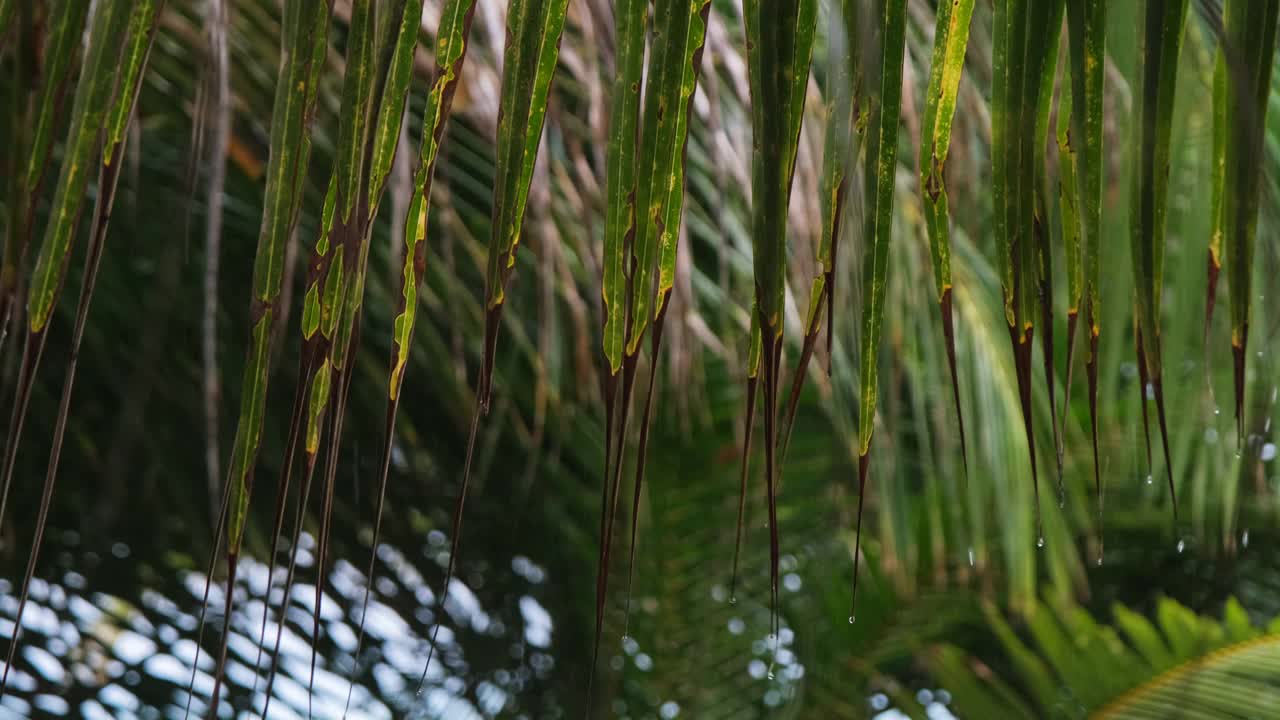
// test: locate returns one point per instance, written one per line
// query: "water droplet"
(1149, 480)
(1040, 541)
(1244, 539)
(971, 557)
(733, 599)
(1099, 561)
(852, 619)
(770, 674)
(1182, 545)
(1217, 411)
(625, 637)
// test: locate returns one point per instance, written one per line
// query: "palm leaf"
(305, 36)
(1086, 20)
(1048, 65)
(1069, 193)
(1158, 75)
(951, 38)
(843, 89)
(450, 52)
(84, 142)
(676, 62)
(121, 93)
(779, 48)
(1250, 39)
(1179, 665)
(1218, 173)
(621, 182)
(879, 177)
(529, 64)
(1022, 67)
(64, 36)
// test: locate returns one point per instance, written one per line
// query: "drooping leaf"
(837, 159)
(450, 52)
(879, 176)
(951, 39)
(107, 146)
(672, 79)
(1162, 40)
(1069, 206)
(305, 30)
(1048, 65)
(66, 27)
(1213, 266)
(1250, 36)
(779, 49)
(335, 279)
(1086, 21)
(85, 139)
(303, 42)
(1021, 61)
(529, 64)
(620, 222)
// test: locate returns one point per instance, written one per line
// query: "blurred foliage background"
(1123, 614)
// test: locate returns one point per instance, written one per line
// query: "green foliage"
(675, 200)
(1181, 663)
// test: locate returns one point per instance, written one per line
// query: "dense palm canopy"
(722, 305)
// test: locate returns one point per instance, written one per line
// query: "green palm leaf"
(779, 49)
(951, 38)
(450, 52)
(676, 61)
(842, 99)
(879, 176)
(119, 87)
(1022, 64)
(1158, 75)
(65, 32)
(1180, 665)
(529, 64)
(1250, 37)
(304, 40)
(1086, 20)
(621, 183)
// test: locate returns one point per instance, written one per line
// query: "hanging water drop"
(1244, 539)
(1040, 541)
(770, 674)
(733, 599)
(1182, 545)
(1149, 480)
(1217, 411)
(1099, 559)
(625, 638)
(852, 619)
(971, 557)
